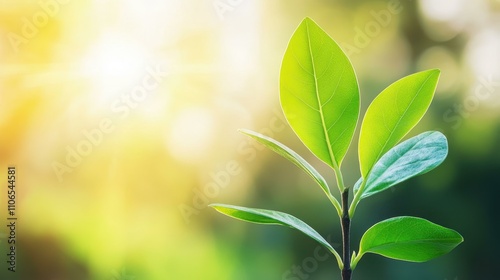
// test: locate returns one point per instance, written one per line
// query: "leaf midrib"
(323, 125)
(427, 240)
(399, 157)
(399, 120)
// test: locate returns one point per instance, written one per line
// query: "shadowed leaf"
(415, 156)
(409, 239)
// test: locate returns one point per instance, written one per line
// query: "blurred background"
(121, 119)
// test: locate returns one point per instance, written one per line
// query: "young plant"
(319, 95)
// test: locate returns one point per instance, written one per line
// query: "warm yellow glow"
(172, 81)
(112, 62)
(191, 134)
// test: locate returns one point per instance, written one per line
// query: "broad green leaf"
(415, 156)
(409, 239)
(261, 216)
(319, 93)
(392, 114)
(289, 154)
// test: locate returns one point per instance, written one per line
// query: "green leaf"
(415, 156)
(289, 154)
(408, 239)
(261, 216)
(319, 93)
(393, 113)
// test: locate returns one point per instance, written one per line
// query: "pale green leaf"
(393, 113)
(408, 239)
(415, 156)
(289, 154)
(262, 216)
(319, 93)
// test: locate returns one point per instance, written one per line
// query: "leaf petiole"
(357, 198)
(336, 204)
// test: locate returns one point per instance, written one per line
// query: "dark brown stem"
(346, 235)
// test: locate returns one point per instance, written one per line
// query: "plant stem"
(346, 235)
